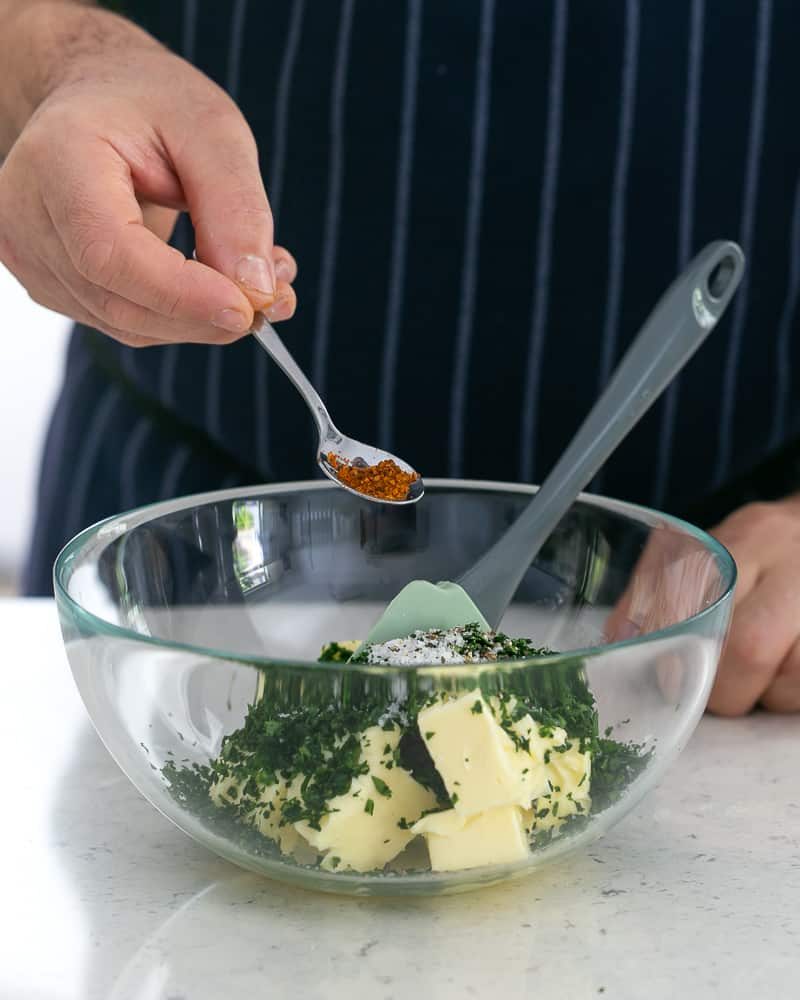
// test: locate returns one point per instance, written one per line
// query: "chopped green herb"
(381, 787)
(314, 751)
(335, 652)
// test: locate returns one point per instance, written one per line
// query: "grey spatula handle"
(683, 318)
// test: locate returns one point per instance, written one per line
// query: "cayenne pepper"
(384, 481)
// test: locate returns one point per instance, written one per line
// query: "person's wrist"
(53, 44)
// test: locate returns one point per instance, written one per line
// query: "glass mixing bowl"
(178, 617)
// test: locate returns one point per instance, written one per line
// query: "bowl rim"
(121, 523)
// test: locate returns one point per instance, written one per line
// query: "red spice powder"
(384, 481)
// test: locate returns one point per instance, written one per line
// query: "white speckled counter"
(696, 895)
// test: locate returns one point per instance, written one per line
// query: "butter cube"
(494, 837)
(549, 773)
(361, 831)
(474, 756)
(263, 813)
(569, 774)
(266, 815)
(225, 791)
(530, 763)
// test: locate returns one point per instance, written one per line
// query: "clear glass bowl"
(180, 616)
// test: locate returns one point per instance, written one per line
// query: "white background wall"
(32, 347)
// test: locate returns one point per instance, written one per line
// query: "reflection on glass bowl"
(194, 627)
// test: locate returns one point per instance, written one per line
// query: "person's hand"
(761, 661)
(125, 135)
(674, 579)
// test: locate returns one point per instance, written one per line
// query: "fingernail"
(231, 320)
(280, 309)
(282, 269)
(254, 272)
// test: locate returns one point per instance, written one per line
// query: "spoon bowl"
(361, 455)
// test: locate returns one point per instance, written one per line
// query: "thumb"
(218, 169)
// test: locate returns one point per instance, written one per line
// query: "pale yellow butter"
(493, 837)
(472, 753)
(225, 791)
(568, 792)
(265, 813)
(362, 840)
(266, 816)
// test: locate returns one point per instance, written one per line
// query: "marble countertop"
(695, 895)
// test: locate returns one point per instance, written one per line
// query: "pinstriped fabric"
(469, 272)
(189, 33)
(280, 134)
(57, 453)
(131, 454)
(691, 123)
(616, 231)
(332, 210)
(544, 242)
(679, 61)
(685, 227)
(783, 354)
(283, 94)
(238, 18)
(749, 204)
(400, 237)
(213, 402)
(85, 469)
(173, 470)
(166, 375)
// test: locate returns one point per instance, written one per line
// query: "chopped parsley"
(305, 752)
(381, 787)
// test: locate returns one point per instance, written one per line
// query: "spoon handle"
(265, 334)
(684, 316)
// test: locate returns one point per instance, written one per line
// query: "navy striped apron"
(485, 198)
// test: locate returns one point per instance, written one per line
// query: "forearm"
(45, 43)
